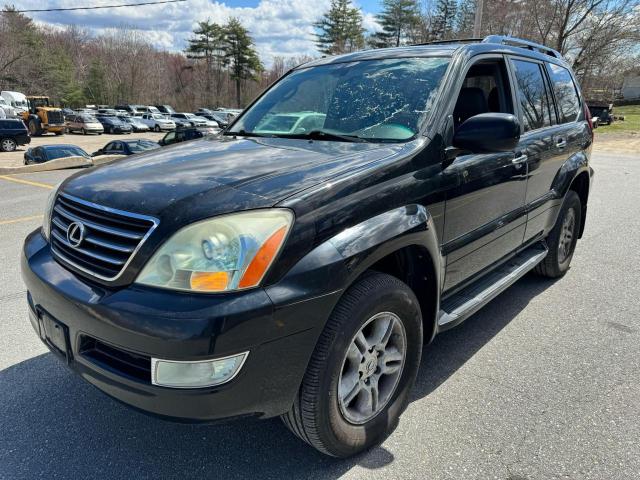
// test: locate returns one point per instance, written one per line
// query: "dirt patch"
(626, 143)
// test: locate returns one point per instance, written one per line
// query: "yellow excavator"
(42, 117)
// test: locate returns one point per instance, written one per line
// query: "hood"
(210, 176)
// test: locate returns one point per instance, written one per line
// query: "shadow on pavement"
(52, 423)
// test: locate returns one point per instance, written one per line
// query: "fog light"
(196, 374)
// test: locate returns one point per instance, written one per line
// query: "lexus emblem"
(75, 234)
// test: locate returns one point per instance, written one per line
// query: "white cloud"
(278, 27)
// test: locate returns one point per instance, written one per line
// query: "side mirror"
(488, 133)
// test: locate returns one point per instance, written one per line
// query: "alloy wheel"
(372, 367)
(8, 145)
(565, 242)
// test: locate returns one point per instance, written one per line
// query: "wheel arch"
(401, 242)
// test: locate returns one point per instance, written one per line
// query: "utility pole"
(477, 23)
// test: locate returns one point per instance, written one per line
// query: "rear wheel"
(84, 131)
(360, 375)
(563, 238)
(8, 145)
(34, 128)
(156, 128)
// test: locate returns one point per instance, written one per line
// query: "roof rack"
(445, 42)
(518, 42)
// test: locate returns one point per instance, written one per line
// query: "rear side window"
(11, 125)
(566, 93)
(532, 95)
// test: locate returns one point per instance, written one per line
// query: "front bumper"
(145, 322)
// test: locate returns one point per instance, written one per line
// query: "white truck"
(16, 100)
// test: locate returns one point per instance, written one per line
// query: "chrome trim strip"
(102, 258)
(113, 231)
(155, 222)
(154, 364)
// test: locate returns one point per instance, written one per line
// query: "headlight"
(226, 253)
(48, 210)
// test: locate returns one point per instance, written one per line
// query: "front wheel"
(563, 238)
(156, 128)
(362, 370)
(8, 145)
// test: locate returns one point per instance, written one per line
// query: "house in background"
(631, 85)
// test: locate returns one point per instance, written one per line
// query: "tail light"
(587, 114)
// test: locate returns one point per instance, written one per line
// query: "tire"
(319, 416)
(84, 131)
(561, 248)
(34, 128)
(8, 145)
(156, 128)
(59, 133)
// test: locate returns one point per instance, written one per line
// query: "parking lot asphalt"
(543, 383)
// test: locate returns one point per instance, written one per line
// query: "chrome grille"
(109, 240)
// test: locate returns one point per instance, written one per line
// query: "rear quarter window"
(565, 92)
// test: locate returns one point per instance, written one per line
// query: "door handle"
(561, 143)
(519, 160)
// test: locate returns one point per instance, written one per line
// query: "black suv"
(296, 265)
(13, 132)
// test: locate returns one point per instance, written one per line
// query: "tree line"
(221, 67)
(600, 38)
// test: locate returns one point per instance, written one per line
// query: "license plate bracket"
(55, 334)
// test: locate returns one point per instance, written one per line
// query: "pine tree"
(399, 18)
(208, 45)
(240, 55)
(340, 29)
(465, 18)
(94, 87)
(444, 19)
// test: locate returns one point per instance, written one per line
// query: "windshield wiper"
(324, 135)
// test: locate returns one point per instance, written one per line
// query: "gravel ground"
(543, 383)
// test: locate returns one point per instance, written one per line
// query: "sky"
(278, 27)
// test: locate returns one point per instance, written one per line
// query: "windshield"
(65, 151)
(376, 100)
(142, 145)
(157, 116)
(89, 119)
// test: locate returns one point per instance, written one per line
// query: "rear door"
(543, 143)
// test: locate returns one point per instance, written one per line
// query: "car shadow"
(55, 424)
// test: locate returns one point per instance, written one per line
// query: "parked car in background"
(191, 118)
(220, 119)
(158, 122)
(184, 134)
(113, 124)
(166, 109)
(148, 109)
(84, 123)
(6, 110)
(46, 153)
(603, 111)
(107, 111)
(13, 132)
(136, 123)
(16, 100)
(299, 122)
(180, 122)
(127, 147)
(129, 108)
(67, 111)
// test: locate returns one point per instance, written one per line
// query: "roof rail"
(518, 42)
(445, 42)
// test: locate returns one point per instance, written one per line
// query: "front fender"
(333, 265)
